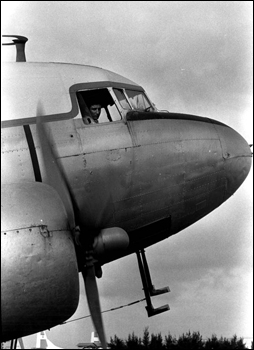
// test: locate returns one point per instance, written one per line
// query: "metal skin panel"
(104, 137)
(38, 260)
(16, 165)
(237, 158)
(63, 136)
(166, 146)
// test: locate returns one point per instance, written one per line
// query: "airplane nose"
(237, 158)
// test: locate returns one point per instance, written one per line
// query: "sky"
(191, 57)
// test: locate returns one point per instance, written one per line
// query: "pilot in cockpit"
(90, 111)
(94, 105)
(95, 111)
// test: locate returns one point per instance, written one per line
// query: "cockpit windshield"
(138, 99)
(133, 99)
(122, 98)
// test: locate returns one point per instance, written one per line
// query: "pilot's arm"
(88, 120)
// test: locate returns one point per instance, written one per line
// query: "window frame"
(110, 86)
(116, 104)
(128, 99)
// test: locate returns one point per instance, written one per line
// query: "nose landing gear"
(148, 287)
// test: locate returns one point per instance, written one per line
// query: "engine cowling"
(39, 274)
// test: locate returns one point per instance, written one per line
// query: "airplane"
(77, 196)
(13, 344)
(94, 343)
(42, 342)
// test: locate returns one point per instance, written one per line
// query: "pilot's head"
(95, 110)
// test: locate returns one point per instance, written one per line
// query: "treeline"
(188, 341)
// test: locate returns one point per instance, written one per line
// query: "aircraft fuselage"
(150, 173)
(151, 168)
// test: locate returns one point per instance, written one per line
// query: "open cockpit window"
(97, 106)
(111, 104)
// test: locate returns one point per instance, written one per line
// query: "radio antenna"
(20, 42)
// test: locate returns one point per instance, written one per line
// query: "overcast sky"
(193, 57)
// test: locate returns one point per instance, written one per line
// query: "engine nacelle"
(39, 274)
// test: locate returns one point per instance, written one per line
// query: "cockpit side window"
(97, 106)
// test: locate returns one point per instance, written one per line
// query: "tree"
(237, 343)
(156, 342)
(212, 343)
(133, 342)
(190, 341)
(146, 339)
(223, 343)
(117, 343)
(170, 342)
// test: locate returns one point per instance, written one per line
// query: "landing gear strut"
(14, 343)
(148, 287)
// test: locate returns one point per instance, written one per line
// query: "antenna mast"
(20, 42)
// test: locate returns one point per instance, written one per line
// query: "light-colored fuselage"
(149, 173)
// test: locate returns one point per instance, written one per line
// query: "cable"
(113, 309)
